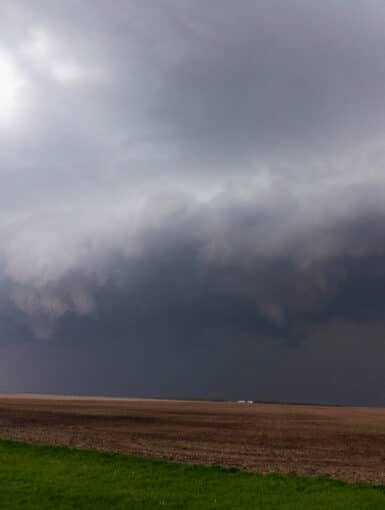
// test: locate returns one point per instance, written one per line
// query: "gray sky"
(192, 198)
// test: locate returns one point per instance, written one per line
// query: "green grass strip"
(53, 478)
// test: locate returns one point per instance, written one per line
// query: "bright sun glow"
(10, 84)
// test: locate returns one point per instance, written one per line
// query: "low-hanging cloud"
(268, 251)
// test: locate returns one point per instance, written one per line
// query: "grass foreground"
(44, 477)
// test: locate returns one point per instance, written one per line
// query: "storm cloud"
(189, 188)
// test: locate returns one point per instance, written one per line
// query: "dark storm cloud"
(246, 267)
(192, 183)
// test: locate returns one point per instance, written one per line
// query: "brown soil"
(345, 443)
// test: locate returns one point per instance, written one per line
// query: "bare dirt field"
(345, 443)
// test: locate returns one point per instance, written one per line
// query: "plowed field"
(345, 443)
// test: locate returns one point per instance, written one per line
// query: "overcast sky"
(192, 198)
